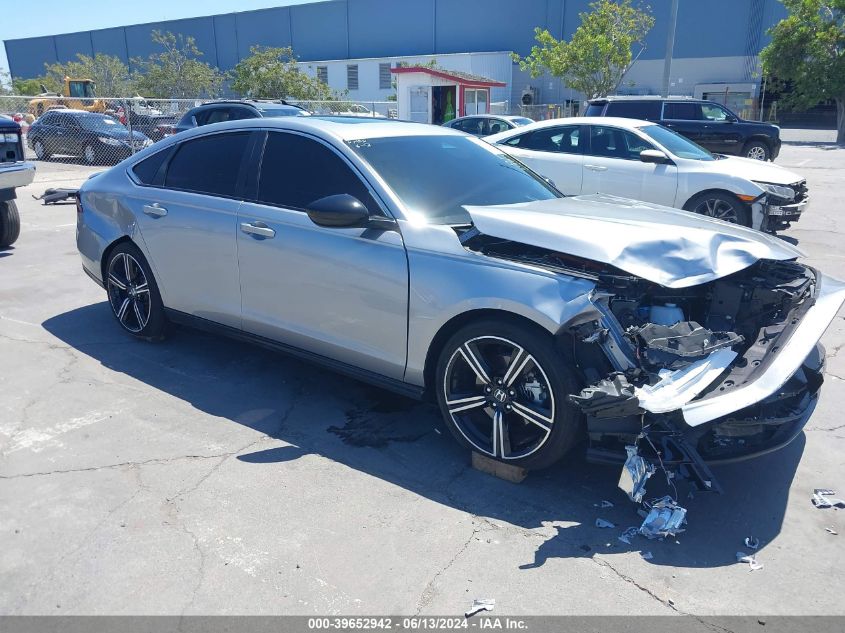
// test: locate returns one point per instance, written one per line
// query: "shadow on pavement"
(405, 443)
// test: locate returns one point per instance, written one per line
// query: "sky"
(50, 17)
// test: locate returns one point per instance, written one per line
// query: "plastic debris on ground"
(742, 557)
(479, 605)
(603, 504)
(628, 534)
(647, 555)
(751, 542)
(823, 498)
(664, 519)
(635, 473)
(831, 531)
(601, 523)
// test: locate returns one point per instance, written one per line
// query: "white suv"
(646, 161)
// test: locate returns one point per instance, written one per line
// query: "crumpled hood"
(758, 170)
(673, 248)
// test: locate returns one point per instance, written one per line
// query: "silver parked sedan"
(429, 262)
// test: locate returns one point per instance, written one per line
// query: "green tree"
(34, 86)
(109, 73)
(175, 72)
(807, 54)
(599, 54)
(272, 73)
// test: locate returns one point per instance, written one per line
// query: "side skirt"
(377, 380)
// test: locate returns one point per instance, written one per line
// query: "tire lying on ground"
(10, 223)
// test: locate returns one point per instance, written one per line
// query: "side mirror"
(338, 211)
(731, 119)
(654, 156)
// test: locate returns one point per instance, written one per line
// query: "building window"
(384, 79)
(323, 74)
(352, 76)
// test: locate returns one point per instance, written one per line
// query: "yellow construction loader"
(77, 94)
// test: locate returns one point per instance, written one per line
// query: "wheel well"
(763, 139)
(701, 193)
(455, 324)
(107, 253)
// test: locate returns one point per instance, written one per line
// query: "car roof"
(339, 127)
(643, 98)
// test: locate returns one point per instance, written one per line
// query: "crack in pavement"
(602, 562)
(131, 464)
(428, 592)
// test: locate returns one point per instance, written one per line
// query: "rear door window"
(561, 139)
(645, 110)
(296, 171)
(209, 164)
(681, 111)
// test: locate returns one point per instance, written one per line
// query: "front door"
(188, 227)
(613, 166)
(720, 133)
(341, 293)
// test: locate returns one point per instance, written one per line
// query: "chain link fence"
(105, 130)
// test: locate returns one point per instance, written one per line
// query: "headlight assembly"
(109, 141)
(781, 191)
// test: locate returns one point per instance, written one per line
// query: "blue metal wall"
(338, 29)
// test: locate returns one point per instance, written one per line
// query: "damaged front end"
(687, 375)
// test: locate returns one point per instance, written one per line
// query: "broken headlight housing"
(779, 191)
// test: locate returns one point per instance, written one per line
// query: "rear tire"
(133, 293)
(720, 205)
(758, 150)
(10, 223)
(513, 409)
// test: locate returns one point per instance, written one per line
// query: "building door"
(420, 104)
(442, 104)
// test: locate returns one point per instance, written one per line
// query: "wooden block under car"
(507, 472)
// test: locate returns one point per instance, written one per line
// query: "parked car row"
(431, 262)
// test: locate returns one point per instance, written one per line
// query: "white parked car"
(646, 161)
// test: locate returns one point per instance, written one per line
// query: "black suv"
(709, 124)
(233, 110)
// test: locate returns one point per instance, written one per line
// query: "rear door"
(341, 293)
(685, 118)
(613, 166)
(187, 216)
(554, 152)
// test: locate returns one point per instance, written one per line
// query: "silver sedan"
(426, 261)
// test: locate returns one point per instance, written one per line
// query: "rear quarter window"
(645, 110)
(595, 109)
(146, 170)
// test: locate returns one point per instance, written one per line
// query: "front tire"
(720, 205)
(89, 154)
(758, 150)
(133, 293)
(41, 152)
(10, 223)
(502, 388)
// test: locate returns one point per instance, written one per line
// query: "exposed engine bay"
(652, 349)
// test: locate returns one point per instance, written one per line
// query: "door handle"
(155, 210)
(259, 229)
(596, 167)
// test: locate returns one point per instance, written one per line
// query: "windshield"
(283, 111)
(81, 89)
(678, 145)
(435, 176)
(100, 123)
